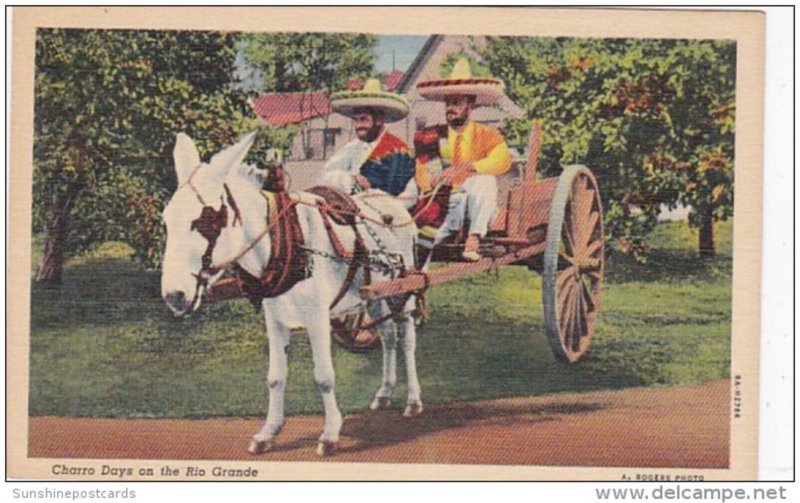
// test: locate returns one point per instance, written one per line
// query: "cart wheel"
(573, 264)
(345, 329)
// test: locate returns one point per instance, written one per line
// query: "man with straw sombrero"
(463, 156)
(375, 159)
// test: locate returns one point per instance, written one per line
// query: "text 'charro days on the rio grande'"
(164, 471)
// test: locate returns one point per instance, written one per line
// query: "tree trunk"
(49, 272)
(707, 249)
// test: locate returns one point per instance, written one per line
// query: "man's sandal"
(471, 249)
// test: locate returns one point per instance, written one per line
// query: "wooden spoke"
(563, 296)
(579, 323)
(596, 275)
(566, 300)
(568, 318)
(582, 233)
(563, 254)
(570, 240)
(582, 199)
(587, 229)
(574, 204)
(569, 324)
(587, 298)
(593, 248)
(563, 277)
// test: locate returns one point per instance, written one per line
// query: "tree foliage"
(653, 119)
(295, 62)
(476, 68)
(108, 104)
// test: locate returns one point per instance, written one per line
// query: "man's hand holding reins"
(362, 182)
(457, 172)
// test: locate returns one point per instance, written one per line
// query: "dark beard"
(372, 133)
(457, 122)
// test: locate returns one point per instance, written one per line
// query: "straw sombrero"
(487, 91)
(394, 106)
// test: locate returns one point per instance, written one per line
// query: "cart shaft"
(420, 281)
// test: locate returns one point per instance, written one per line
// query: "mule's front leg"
(319, 331)
(409, 331)
(278, 336)
(383, 398)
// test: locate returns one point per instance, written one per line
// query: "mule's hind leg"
(383, 397)
(388, 330)
(278, 336)
(319, 332)
(409, 331)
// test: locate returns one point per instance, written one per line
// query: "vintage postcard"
(384, 244)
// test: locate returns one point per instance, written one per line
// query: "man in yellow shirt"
(463, 155)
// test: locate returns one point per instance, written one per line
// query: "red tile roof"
(391, 80)
(354, 84)
(280, 109)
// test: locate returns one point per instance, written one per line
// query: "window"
(330, 135)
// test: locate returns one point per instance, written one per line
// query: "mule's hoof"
(260, 446)
(413, 409)
(327, 447)
(380, 403)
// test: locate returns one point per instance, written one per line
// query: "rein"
(431, 195)
(264, 232)
(277, 277)
(210, 224)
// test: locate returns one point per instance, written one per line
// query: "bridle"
(209, 225)
(212, 221)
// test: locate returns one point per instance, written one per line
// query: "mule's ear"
(233, 156)
(187, 159)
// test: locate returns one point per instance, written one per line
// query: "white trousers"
(475, 200)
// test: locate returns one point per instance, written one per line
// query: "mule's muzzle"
(177, 302)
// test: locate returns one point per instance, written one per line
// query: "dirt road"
(680, 426)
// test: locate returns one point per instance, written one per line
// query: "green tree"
(704, 76)
(298, 62)
(108, 104)
(476, 68)
(652, 118)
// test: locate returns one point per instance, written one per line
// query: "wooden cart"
(554, 226)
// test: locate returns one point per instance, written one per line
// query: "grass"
(104, 344)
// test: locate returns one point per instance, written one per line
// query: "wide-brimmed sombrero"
(487, 91)
(393, 106)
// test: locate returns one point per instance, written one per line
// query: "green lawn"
(104, 344)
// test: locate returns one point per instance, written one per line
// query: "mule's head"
(195, 218)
